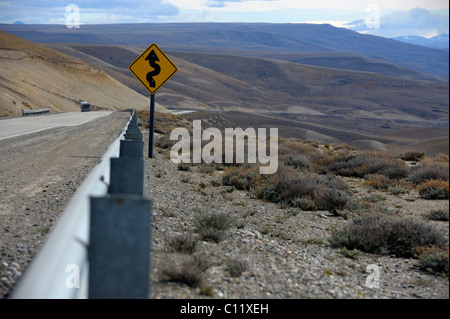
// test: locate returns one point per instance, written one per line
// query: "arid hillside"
(365, 109)
(33, 77)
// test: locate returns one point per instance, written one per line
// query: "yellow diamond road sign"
(153, 68)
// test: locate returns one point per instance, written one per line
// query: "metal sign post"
(152, 125)
(153, 68)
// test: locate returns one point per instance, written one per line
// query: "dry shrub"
(212, 226)
(245, 177)
(298, 161)
(426, 171)
(184, 243)
(434, 189)
(438, 215)
(442, 158)
(191, 272)
(382, 235)
(365, 163)
(412, 156)
(289, 186)
(433, 258)
(294, 146)
(377, 181)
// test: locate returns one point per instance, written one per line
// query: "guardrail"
(35, 112)
(100, 246)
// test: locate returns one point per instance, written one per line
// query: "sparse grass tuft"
(191, 272)
(314, 240)
(184, 167)
(236, 266)
(184, 243)
(212, 226)
(350, 253)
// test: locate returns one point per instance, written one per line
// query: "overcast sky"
(395, 17)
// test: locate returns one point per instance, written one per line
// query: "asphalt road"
(39, 173)
(30, 124)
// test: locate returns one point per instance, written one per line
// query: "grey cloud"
(413, 22)
(112, 10)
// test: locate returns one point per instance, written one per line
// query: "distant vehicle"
(85, 106)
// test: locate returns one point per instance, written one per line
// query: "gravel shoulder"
(39, 173)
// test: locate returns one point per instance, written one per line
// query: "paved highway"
(30, 124)
(40, 172)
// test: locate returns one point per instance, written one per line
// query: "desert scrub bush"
(377, 181)
(244, 178)
(433, 258)
(212, 226)
(296, 161)
(365, 163)
(191, 271)
(333, 200)
(427, 171)
(236, 266)
(184, 243)
(164, 142)
(293, 146)
(434, 189)
(304, 203)
(215, 183)
(438, 215)
(412, 156)
(183, 167)
(300, 189)
(382, 235)
(314, 240)
(397, 190)
(352, 254)
(442, 158)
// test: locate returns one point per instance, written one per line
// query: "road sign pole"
(152, 124)
(153, 68)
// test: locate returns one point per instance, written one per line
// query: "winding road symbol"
(152, 58)
(153, 68)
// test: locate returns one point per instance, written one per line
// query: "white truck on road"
(85, 106)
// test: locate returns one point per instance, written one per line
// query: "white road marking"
(26, 125)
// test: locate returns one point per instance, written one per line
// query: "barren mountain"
(33, 77)
(309, 102)
(232, 38)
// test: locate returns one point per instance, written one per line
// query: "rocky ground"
(269, 251)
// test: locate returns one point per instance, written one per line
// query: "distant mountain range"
(232, 38)
(438, 42)
(313, 82)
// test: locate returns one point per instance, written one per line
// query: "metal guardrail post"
(119, 251)
(127, 176)
(130, 148)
